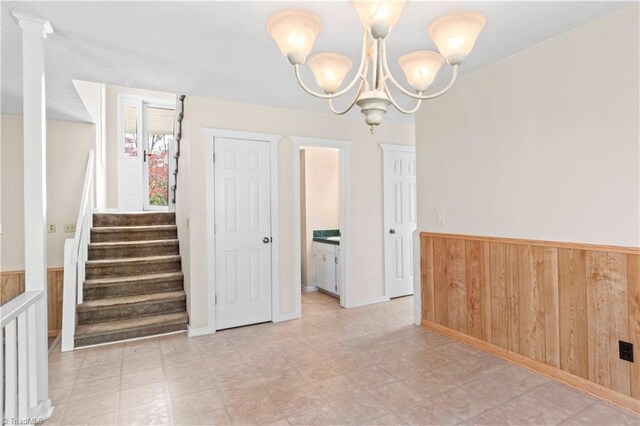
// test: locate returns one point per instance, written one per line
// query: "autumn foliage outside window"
(158, 159)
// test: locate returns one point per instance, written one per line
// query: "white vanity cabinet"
(326, 262)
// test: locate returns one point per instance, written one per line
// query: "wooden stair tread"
(111, 327)
(97, 282)
(108, 229)
(118, 244)
(129, 300)
(145, 259)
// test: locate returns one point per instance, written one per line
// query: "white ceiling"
(221, 49)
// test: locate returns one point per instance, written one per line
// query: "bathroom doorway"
(320, 176)
(320, 226)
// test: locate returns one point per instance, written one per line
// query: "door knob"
(392, 231)
(266, 240)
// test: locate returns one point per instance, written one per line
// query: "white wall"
(366, 189)
(320, 200)
(542, 145)
(92, 95)
(68, 146)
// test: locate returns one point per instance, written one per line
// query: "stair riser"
(96, 253)
(130, 334)
(119, 219)
(132, 269)
(128, 235)
(116, 313)
(133, 289)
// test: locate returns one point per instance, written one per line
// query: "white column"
(34, 31)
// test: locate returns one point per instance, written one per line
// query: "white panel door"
(131, 152)
(242, 232)
(400, 221)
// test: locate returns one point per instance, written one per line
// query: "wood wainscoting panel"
(551, 306)
(574, 357)
(633, 291)
(12, 284)
(441, 281)
(562, 305)
(428, 297)
(457, 280)
(607, 319)
(499, 295)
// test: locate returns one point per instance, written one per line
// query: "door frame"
(386, 150)
(210, 255)
(140, 100)
(344, 146)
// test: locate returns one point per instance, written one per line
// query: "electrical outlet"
(69, 227)
(52, 228)
(626, 350)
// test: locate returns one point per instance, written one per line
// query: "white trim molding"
(32, 23)
(273, 139)
(393, 147)
(345, 201)
(310, 288)
(199, 331)
(371, 301)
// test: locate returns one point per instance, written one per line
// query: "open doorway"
(321, 182)
(320, 228)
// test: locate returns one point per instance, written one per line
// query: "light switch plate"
(440, 216)
(52, 228)
(69, 227)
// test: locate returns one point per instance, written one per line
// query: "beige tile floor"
(367, 365)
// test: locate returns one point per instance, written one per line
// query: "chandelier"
(455, 33)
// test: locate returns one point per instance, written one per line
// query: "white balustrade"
(18, 391)
(76, 251)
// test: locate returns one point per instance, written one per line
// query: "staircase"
(133, 279)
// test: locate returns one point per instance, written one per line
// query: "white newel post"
(34, 31)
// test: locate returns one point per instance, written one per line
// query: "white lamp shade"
(455, 33)
(295, 31)
(329, 69)
(379, 16)
(420, 68)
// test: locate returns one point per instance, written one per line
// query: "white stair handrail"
(76, 252)
(19, 371)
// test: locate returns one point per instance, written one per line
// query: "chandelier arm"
(359, 75)
(390, 77)
(353, 102)
(398, 107)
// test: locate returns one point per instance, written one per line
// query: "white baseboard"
(309, 288)
(199, 331)
(44, 411)
(286, 317)
(359, 303)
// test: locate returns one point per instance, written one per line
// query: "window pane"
(130, 132)
(158, 158)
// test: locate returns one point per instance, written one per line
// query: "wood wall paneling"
(499, 295)
(12, 284)
(457, 285)
(551, 306)
(607, 319)
(426, 268)
(572, 298)
(441, 281)
(633, 288)
(563, 305)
